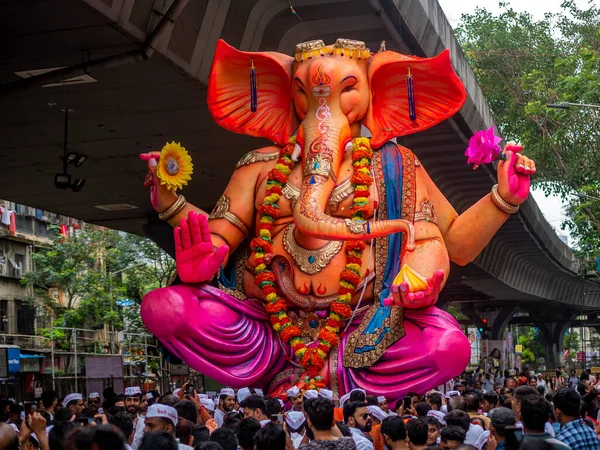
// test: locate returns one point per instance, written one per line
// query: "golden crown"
(342, 47)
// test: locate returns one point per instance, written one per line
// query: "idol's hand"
(514, 175)
(401, 295)
(161, 198)
(197, 260)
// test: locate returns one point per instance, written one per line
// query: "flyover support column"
(495, 322)
(554, 333)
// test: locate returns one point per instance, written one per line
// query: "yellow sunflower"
(175, 166)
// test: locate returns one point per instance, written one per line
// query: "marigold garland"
(311, 358)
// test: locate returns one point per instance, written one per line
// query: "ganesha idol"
(322, 262)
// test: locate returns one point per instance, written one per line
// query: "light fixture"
(62, 181)
(75, 158)
(78, 184)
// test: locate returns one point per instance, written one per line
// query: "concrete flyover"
(146, 64)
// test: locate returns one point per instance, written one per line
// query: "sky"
(552, 207)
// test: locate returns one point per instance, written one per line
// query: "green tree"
(523, 64)
(92, 269)
(572, 341)
(533, 344)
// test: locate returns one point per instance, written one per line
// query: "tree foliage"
(523, 64)
(91, 270)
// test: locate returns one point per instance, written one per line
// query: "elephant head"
(323, 95)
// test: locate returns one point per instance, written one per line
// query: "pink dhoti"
(233, 342)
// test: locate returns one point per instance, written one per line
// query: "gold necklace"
(309, 261)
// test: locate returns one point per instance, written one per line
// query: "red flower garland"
(311, 358)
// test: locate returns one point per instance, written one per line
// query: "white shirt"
(128, 447)
(264, 422)
(362, 443)
(543, 384)
(296, 439)
(473, 434)
(138, 425)
(184, 447)
(219, 416)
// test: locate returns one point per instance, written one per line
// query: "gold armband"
(427, 214)
(221, 211)
(174, 209)
(501, 204)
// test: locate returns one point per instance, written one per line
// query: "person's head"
(246, 432)
(573, 372)
(500, 419)
(393, 430)
(458, 402)
(255, 406)
(519, 394)
(74, 403)
(533, 381)
(158, 440)
(566, 405)
(119, 400)
(133, 399)
(435, 400)
(226, 402)
(123, 421)
(417, 431)
(433, 430)
(357, 395)
(296, 398)
(144, 403)
(273, 407)
(489, 401)
(9, 440)
(200, 434)
(101, 437)
(49, 400)
(319, 412)
(93, 403)
(452, 437)
(161, 418)
(108, 393)
(461, 387)
(510, 383)
(270, 437)
(14, 412)
(422, 409)
(186, 409)
(473, 401)
(535, 412)
(458, 418)
(225, 438)
(414, 399)
(383, 403)
(169, 400)
(356, 415)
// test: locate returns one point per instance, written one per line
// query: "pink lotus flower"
(483, 148)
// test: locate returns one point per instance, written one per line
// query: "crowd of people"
(514, 415)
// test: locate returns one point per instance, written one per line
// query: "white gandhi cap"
(164, 411)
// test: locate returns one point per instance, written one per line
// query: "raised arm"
(468, 234)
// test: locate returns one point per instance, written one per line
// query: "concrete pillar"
(554, 333)
(497, 320)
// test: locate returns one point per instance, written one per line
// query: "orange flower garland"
(311, 358)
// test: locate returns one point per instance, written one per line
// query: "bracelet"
(501, 204)
(174, 209)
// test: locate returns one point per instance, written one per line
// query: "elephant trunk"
(322, 156)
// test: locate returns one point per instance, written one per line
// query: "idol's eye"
(348, 88)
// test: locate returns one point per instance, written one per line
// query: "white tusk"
(348, 147)
(296, 153)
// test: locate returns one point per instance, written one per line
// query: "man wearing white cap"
(226, 405)
(377, 414)
(163, 418)
(295, 398)
(326, 394)
(296, 425)
(133, 398)
(311, 393)
(209, 405)
(74, 403)
(93, 403)
(383, 404)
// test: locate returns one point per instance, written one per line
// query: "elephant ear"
(229, 93)
(438, 94)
